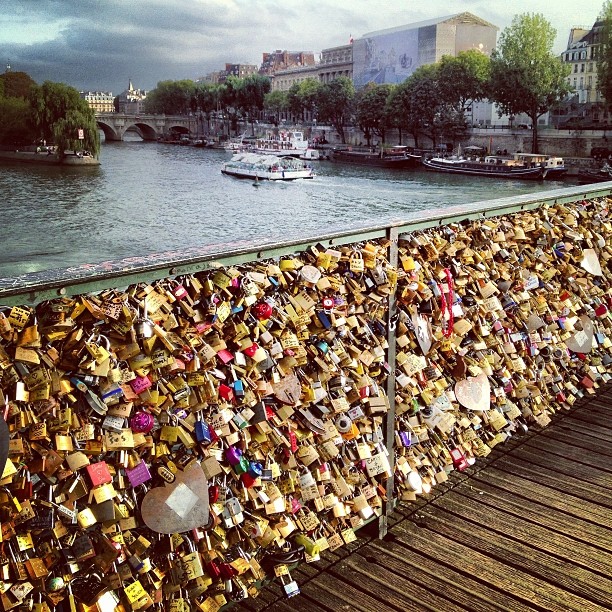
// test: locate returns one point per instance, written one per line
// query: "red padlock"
(263, 310)
(328, 303)
(601, 310)
(459, 460)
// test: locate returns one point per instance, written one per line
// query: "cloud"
(99, 45)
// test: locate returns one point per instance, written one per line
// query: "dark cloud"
(99, 45)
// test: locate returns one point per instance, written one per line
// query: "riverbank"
(47, 158)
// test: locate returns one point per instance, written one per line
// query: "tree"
(171, 98)
(58, 113)
(16, 84)
(464, 79)
(335, 103)
(251, 92)
(526, 77)
(275, 103)
(604, 66)
(371, 112)
(207, 97)
(15, 124)
(423, 89)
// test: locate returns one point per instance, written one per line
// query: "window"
(581, 67)
(575, 67)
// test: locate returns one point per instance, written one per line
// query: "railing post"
(389, 422)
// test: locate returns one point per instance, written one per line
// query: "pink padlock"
(140, 384)
(139, 474)
(142, 422)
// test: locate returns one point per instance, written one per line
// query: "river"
(149, 197)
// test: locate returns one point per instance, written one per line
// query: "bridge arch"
(108, 130)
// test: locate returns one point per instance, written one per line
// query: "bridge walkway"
(527, 528)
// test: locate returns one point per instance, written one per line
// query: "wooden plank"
(564, 482)
(540, 513)
(390, 588)
(595, 431)
(579, 440)
(528, 489)
(563, 466)
(297, 602)
(496, 574)
(463, 590)
(537, 536)
(568, 451)
(332, 594)
(548, 567)
(596, 416)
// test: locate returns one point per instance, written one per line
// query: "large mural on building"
(385, 58)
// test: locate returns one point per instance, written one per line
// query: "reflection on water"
(151, 197)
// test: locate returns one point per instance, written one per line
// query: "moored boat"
(391, 157)
(553, 167)
(267, 167)
(290, 143)
(492, 166)
(599, 175)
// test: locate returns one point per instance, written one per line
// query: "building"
(240, 70)
(336, 62)
(282, 60)
(392, 55)
(586, 106)
(100, 101)
(131, 101)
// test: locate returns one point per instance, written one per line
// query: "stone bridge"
(149, 127)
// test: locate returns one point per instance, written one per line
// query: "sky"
(99, 45)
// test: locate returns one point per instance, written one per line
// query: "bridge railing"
(335, 373)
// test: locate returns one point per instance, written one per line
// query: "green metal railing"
(33, 288)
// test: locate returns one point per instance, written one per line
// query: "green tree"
(275, 103)
(58, 113)
(251, 92)
(171, 98)
(604, 65)
(335, 104)
(424, 104)
(229, 101)
(526, 77)
(294, 101)
(371, 111)
(16, 84)
(15, 124)
(464, 79)
(207, 96)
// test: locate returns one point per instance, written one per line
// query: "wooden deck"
(527, 528)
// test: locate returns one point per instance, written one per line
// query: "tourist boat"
(290, 143)
(267, 167)
(553, 167)
(493, 166)
(391, 157)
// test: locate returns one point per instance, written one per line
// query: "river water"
(150, 197)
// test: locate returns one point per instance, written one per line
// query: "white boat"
(236, 144)
(310, 154)
(282, 144)
(267, 167)
(553, 167)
